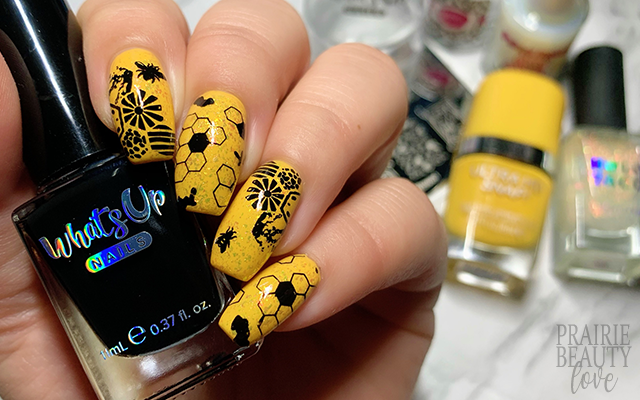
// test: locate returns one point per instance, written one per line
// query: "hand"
(379, 245)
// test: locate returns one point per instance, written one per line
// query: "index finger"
(135, 52)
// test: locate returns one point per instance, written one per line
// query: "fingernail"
(141, 106)
(255, 220)
(269, 299)
(210, 151)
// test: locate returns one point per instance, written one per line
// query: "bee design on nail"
(141, 108)
(149, 72)
(224, 240)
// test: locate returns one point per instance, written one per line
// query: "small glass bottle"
(391, 26)
(457, 24)
(597, 201)
(500, 180)
(535, 34)
(125, 267)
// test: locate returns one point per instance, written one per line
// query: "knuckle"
(238, 37)
(129, 16)
(369, 59)
(236, 44)
(260, 24)
(414, 197)
(264, 34)
(367, 72)
(328, 110)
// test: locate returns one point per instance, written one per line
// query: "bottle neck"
(78, 169)
(41, 42)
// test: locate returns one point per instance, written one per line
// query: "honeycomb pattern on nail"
(209, 153)
(270, 298)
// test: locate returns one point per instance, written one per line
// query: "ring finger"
(242, 61)
(339, 115)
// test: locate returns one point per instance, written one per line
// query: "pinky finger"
(386, 235)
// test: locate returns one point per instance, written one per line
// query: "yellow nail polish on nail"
(141, 107)
(269, 299)
(255, 220)
(210, 151)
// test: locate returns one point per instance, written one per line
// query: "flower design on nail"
(289, 179)
(134, 143)
(139, 110)
(149, 72)
(265, 194)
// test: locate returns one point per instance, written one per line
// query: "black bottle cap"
(598, 88)
(42, 44)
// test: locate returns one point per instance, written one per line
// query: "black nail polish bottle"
(125, 268)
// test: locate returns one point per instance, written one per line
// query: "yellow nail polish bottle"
(500, 180)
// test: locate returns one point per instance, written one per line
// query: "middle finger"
(242, 60)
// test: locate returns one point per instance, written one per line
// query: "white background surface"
(490, 348)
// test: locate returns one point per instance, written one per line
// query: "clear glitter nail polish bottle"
(597, 201)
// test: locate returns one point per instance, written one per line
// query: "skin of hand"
(379, 244)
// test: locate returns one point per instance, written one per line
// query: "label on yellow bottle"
(497, 201)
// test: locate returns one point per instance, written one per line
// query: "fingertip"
(113, 27)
